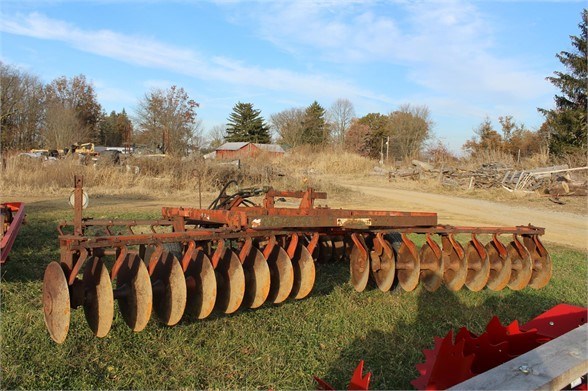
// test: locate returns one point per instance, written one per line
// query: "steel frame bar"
(18, 210)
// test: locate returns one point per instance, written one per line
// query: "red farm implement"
(12, 216)
(503, 357)
(237, 254)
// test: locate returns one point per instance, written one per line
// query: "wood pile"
(553, 179)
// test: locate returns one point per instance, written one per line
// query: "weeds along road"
(560, 227)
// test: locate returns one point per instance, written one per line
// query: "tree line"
(66, 111)
(55, 115)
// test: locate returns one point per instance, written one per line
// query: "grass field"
(274, 347)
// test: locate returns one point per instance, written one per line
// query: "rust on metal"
(238, 253)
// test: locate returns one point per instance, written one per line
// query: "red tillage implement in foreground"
(450, 363)
(240, 255)
(11, 218)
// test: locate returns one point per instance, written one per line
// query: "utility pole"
(387, 149)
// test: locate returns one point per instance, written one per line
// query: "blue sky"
(463, 60)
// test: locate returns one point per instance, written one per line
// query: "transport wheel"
(169, 289)
(282, 275)
(257, 279)
(200, 285)
(136, 297)
(304, 273)
(231, 282)
(99, 303)
(384, 276)
(431, 268)
(542, 265)
(455, 269)
(408, 268)
(522, 267)
(478, 269)
(358, 268)
(56, 304)
(500, 268)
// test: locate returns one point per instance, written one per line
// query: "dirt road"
(560, 227)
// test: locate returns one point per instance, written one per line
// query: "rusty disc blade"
(136, 302)
(408, 268)
(478, 269)
(455, 269)
(542, 265)
(99, 302)
(56, 304)
(169, 299)
(542, 275)
(231, 282)
(384, 277)
(200, 286)
(522, 268)
(304, 273)
(431, 268)
(500, 268)
(281, 274)
(257, 279)
(325, 249)
(358, 269)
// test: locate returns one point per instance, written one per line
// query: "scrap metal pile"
(237, 254)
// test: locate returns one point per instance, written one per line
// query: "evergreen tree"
(246, 124)
(379, 129)
(315, 130)
(567, 123)
(115, 129)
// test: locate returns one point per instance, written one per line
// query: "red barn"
(239, 150)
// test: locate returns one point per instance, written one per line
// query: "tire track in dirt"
(561, 228)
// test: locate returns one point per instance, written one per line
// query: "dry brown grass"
(308, 161)
(323, 170)
(167, 175)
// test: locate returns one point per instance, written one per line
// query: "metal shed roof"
(234, 146)
(270, 148)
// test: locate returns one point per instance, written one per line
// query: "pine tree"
(115, 129)
(246, 124)
(315, 130)
(567, 123)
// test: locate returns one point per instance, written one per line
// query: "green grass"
(274, 347)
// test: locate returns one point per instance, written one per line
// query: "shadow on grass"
(34, 248)
(37, 243)
(391, 356)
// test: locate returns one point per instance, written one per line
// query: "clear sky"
(465, 60)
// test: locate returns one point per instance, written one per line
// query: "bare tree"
(77, 94)
(411, 127)
(288, 125)
(21, 102)
(216, 136)
(340, 116)
(167, 119)
(62, 127)
(197, 140)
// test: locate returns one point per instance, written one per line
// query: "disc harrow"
(238, 255)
